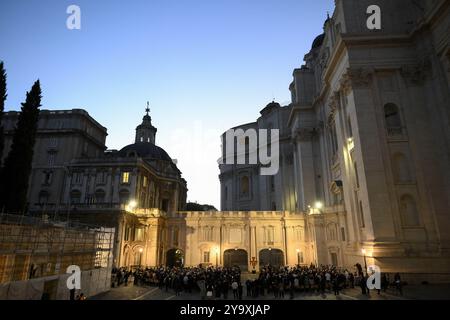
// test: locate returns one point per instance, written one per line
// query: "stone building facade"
(369, 126)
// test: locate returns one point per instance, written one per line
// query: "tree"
(2, 107)
(193, 206)
(17, 168)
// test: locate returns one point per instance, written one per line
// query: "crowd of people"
(225, 283)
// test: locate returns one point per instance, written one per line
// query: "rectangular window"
(139, 234)
(77, 177)
(300, 257)
(51, 159)
(125, 177)
(127, 234)
(334, 259)
(361, 212)
(343, 233)
(206, 256)
(356, 175)
(270, 235)
(101, 177)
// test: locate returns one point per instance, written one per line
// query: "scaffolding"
(33, 247)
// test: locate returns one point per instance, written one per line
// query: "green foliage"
(17, 168)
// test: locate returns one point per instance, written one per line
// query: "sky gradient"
(204, 65)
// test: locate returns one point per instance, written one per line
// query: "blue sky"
(204, 65)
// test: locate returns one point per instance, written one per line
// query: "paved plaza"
(410, 292)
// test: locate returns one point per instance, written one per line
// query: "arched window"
(409, 212)
(393, 119)
(124, 196)
(99, 196)
(245, 186)
(332, 232)
(402, 172)
(43, 197)
(75, 196)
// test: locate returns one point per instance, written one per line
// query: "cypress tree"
(2, 107)
(17, 168)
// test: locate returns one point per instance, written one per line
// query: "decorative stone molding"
(415, 75)
(356, 78)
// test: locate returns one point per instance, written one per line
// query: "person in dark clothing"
(218, 288)
(363, 285)
(398, 283)
(336, 286)
(248, 286)
(240, 290)
(225, 287)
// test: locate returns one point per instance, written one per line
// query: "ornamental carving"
(356, 78)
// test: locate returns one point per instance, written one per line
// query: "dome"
(318, 41)
(145, 150)
(269, 107)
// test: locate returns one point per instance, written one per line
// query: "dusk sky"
(204, 65)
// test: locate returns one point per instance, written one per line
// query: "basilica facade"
(367, 165)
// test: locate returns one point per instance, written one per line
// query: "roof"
(145, 150)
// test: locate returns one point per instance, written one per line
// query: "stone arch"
(236, 257)
(272, 257)
(175, 258)
(393, 118)
(100, 195)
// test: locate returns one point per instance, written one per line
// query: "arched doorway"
(237, 258)
(272, 257)
(175, 258)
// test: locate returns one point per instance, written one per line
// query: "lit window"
(206, 256)
(125, 177)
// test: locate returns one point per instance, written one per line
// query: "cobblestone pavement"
(420, 292)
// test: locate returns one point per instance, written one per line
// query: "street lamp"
(131, 205)
(298, 256)
(318, 205)
(365, 260)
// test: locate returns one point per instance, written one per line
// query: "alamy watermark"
(74, 280)
(74, 19)
(374, 280)
(253, 143)
(374, 20)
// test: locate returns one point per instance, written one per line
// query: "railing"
(396, 133)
